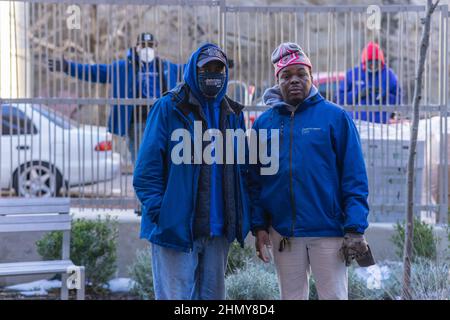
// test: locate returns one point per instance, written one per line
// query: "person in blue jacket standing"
(315, 206)
(141, 75)
(192, 210)
(371, 84)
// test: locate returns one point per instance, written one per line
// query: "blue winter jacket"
(378, 93)
(321, 188)
(120, 74)
(168, 191)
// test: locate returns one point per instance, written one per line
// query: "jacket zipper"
(291, 173)
(238, 196)
(188, 122)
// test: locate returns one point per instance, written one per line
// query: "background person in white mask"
(142, 74)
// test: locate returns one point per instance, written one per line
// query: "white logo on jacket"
(235, 141)
(306, 131)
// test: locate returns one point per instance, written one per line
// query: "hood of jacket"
(190, 77)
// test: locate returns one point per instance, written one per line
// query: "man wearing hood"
(315, 206)
(192, 210)
(371, 84)
(141, 75)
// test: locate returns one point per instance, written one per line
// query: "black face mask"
(210, 83)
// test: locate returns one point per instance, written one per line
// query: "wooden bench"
(41, 214)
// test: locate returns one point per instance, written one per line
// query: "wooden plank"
(26, 268)
(19, 227)
(33, 209)
(66, 245)
(25, 209)
(33, 263)
(24, 219)
(34, 205)
(34, 201)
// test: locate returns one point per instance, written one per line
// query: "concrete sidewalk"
(21, 246)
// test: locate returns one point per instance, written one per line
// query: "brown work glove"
(353, 246)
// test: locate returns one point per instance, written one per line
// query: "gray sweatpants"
(319, 255)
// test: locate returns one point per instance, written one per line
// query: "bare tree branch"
(408, 245)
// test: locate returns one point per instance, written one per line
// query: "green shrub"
(238, 257)
(429, 281)
(357, 288)
(141, 273)
(312, 289)
(424, 242)
(256, 281)
(365, 289)
(93, 245)
(259, 281)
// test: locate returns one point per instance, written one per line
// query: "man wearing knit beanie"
(371, 83)
(314, 209)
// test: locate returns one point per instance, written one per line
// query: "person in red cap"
(315, 206)
(371, 83)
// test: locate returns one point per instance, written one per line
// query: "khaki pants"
(319, 255)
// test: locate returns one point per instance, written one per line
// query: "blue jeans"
(198, 275)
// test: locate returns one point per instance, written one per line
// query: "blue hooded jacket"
(321, 188)
(168, 191)
(357, 83)
(120, 74)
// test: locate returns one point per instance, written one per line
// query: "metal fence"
(54, 124)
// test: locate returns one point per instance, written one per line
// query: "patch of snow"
(374, 275)
(383, 271)
(35, 288)
(120, 285)
(36, 285)
(34, 293)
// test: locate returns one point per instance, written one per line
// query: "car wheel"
(37, 179)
